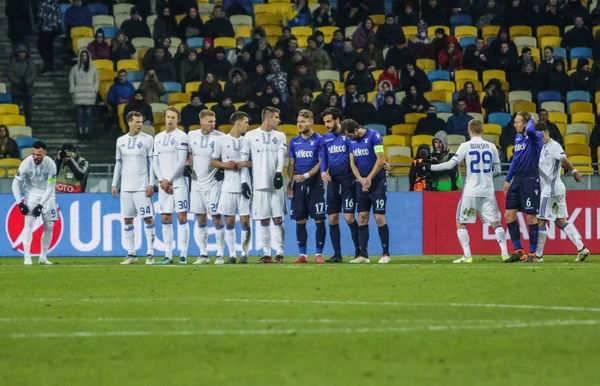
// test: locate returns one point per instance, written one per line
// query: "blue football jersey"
(335, 155)
(305, 152)
(363, 150)
(526, 157)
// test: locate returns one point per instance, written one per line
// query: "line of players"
(535, 169)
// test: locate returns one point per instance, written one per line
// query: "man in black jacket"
(72, 170)
(190, 114)
(431, 124)
(390, 31)
(552, 128)
(219, 26)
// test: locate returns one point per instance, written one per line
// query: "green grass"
(414, 322)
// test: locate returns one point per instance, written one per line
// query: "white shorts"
(231, 204)
(136, 204)
(174, 203)
(552, 208)
(49, 212)
(485, 207)
(204, 202)
(268, 203)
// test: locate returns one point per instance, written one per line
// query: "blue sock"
(354, 233)
(515, 234)
(301, 237)
(320, 235)
(384, 236)
(334, 232)
(533, 237)
(363, 239)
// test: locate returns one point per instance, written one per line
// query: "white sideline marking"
(434, 327)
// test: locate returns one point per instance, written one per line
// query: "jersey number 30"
(478, 158)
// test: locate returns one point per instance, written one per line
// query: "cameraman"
(448, 180)
(72, 171)
(419, 180)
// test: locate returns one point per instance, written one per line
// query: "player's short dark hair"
(238, 116)
(335, 113)
(133, 114)
(350, 125)
(269, 111)
(121, 71)
(541, 126)
(39, 145)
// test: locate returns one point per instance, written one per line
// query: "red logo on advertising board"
(15, 222)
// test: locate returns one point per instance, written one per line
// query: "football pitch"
(414, 322)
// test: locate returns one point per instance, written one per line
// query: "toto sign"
(15, 222)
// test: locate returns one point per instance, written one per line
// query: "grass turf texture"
(414, 322)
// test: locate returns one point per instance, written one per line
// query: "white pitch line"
(435, 327)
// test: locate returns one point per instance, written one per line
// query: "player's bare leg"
(183, 236)
(363, 239)
(203, 243)
(279, 239)
(265, 232)
(220, 236)
(384, 237)
(129, 242)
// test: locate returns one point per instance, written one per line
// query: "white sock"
(279, 238)
(130, 239)
(149, 232)
(463, 238)
(246, 234)
(266, 239)
(230, 240)
(501, 238)
(203, 232)
(220, 236)
(573, 235)
(28, 235)
(46, 238)
(167, 232)
(539, 249)
(183, 238)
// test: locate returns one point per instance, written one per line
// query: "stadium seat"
(413, 117)
(328, 32)
(501, 119)
(403, 129)
(581, 160)
(426, 64)
(442, 107)
(400, 95)
(588, 118)
(519, 30)
(509, 152)
(321, 129)
(326, 75)
(515, 96)
(400, 164)
(578, 149)
(466, 41)
(225, 129)
(158, 108)
(461, 19)
(444, 116)
(575, 61)
(578, 95)
(25, 152)
(492, 128)
(349, 31)
(394, 150)
(548, 96)
(489, 31)
(3, 88)
(238, 20)
(547, 30)
(438, 75)
(578, 128)
(302, 31)
(100, 21)
(556, 117)
(525, 41)
(20, 131)
(195, 42)
(465, 30)
(9, 167)
(580, 107)
(477, 116)
(172, 86)
(82, 44)
(394, 140)
(552, 41)
(5, 98)
(455, 140)
(409, 31)
(581, 52)
(524, 106)
(381, 129)
(9, 109)
(576, 139)
(288, 129)
(148, 130)
(142, 43)
(177, 97)
(493, 74)
(194, 127)
(12, 120)
(493, 138)
(443, 85)
(103, 64)
(418, 140)
(243, 31)
(24, 142)
(224, 42)
(553, 106)
(135, 76)
(128, 65)
(436, 96)
(431, 30)
(560, 52)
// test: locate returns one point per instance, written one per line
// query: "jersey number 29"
(477, 158)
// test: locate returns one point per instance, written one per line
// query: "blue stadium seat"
(460, 19)
(110, 32)
(560, 52)
(63, 10)
(581, 52)
(98, 9)
(577, 95)
(135, 76)
(548, 96)
(25, 142)
(438, 75)
(501, 119)
(378, 128)
(455, 97)
(467, 40)
(195, 42)
(172, 87)
(5, 98)
(442, 107)
(490, 40)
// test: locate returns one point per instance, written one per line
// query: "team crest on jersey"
(546, 153)
(212, 145)
(139, 145)
(312, 143)
(172, 141)
(274, 141)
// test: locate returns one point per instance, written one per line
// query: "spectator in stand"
(76, 16)
(253, 109)
(430, 124)
(245, 62)
(388, 33)
(19, 23)
(362, 78)
(412, 75)
(21, 73)
(558, 80)
(283, 41)
(494, 100)
(219, 25)
(237, 87)
(191, 25)
(138, 103)
(526, 58)
(144, 7)
(390, 113)
(363, 33)
(8, 146)
(383, 88)
(98, 48)
(191, 69)
(322, 99)
(72, 170)
(336, 44)
(318, 58)
(583, 78)
(135, 27)
(219, 66)
(346, 58)
(459, 121)
(410, 16)
(178, 7)
(223, 110)
(433, 14)
(351, 16)
(307, 79)
(576, 9)
(334, 101)
(210, 90)
(595, 142)
(372, 55)
(578, 36)
(324, 15)
(489, 14)
(517, 14)
(362, 111)
(526, 80)
(304, 102)
(165, 25)
(546, 66)
(207, 52)
(299, 15)
(503, 37)
(265, 98)
(49, 28)
(397, 55)
(552, 14)
(476, 56)
(552, 128)
(165, 43)
(258, 78)
(507, 138)
(190, 114)
(320, 39)
(506, 60)
(440, 39)
(595, 15)
(414, 101)
(450, 59)
(277, 77)
(121, 48)
(120, 92)
(286, 115)
(263, 52)
(350, 96)
(236, 53)
(83, 87)
(238, 7)
(419, 46)
(152, 87)
(391, 75)
(162, 65)
(471, 98)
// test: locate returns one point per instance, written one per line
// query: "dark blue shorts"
(524, 195)
(341, 196)
(376, 196)
(309, 200)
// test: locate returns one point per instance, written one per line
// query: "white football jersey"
(262, 147)
(201, 147)
(481, 158)
(135, 153)
(167, 147)
(228, 149)
(35, 177)
(550, 181)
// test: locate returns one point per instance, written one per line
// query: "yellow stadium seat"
(437, 96)
(376, 74)
(224, 42)
(510, 151)
(574, 63)
(82, 32)
(552, 41)
(460, 84)
(580, 107)
(409, 31)
(492, 128)
(371, 95)
(321, 129)
(103, 90)
(431, 30)
(519, 30)
(444, 85)
(583, 118)
(378, 19)
(418, 140)
(267, 19)
(192, 86)
(555, 116)
(547, 30)
(586, 170)
(394, 140)
(225, 129)
(238, 105)
(426, 64)
(595, 29)
(272, 30)
(578, 149)
(178, 97)
(128, 65)
(465, 74)
(524, 106)
(397, 161)
(243, 31)
(194, 127)
(575, 139)
(490, 31)
(413, 117)
(238, 20)
(581, 160)
(288, 129)
(264, 8)
(403, 129)
(302, 31)
(491, 74)
(9, 109)
(493, 138)
(12, 120)
(9, 167)
(328, 31)
(103, 64)
(465, 30)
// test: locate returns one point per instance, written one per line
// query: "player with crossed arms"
(170, 154)
(37, 177)
(266, 147)
(479, 197)
(204, 198)
(133, 169)
(553, 206)
(226, 155)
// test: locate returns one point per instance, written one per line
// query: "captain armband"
(378, 149)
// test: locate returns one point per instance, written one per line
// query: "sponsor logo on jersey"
(304, 153)
(360, 152)
(335, 149)
(15, 223)
(520, 146)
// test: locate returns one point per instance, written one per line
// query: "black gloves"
(246, 192)
(278, 181)
(220, 175)
(23, 208)
(187, 171)
(37, 211)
